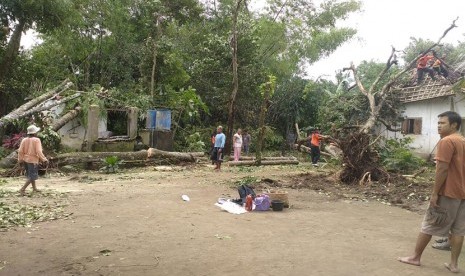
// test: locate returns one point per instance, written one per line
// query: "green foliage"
(248, 180)
(195, 143)
(343, 107)
(111, 164)
(14, 214)
(272, 139)
(397, 157)
(4, 152)
(110, 48)
(50, 139)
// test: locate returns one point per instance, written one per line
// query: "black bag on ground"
(244, 191)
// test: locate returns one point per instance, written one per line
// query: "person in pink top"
(237, 144)
(30, 154)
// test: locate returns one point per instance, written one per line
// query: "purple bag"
(262, 203)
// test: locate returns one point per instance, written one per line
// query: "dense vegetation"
(179, 55)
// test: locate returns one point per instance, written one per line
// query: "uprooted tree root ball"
(361, 162)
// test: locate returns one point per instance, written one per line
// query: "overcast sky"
(384, 23)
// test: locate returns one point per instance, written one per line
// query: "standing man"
(315, 139)
(448, 193)
(246, 140)
(220, 140)
(237, 141)
(30, 153)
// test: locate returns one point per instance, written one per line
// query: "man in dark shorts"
(446, 212)
(30, 153)
(217, 154)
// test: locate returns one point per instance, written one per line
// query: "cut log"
(197, 154)
(306, 149)
(181, 156)
(298, 131)
(245, 158)
(20, 111)
(48, 105)
(10, 161)
(151, 154)
(66, 118)
(264, 162)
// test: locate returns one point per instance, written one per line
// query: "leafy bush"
(13, 141)
(4, 152)
(271, 141)
(111, 164)
(50, 139)
(397, 157)
(195, 143)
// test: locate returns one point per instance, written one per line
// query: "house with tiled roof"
(422, 104)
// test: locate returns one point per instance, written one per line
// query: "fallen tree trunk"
(197, 154)
(66, 118)
(244, 158)
(263, 162)
(48, 105)
(306, 149)
(20, 111)
(10, 161)
(143, 155)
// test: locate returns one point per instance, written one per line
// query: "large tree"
(22, 15)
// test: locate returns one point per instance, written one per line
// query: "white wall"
(424, 144)
(73, 133)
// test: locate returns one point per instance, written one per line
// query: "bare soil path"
(135, 223)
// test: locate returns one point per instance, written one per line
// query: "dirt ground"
(135, 223)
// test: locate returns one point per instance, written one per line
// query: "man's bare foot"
(22, 192)
(37, 191)
(409, 260)
(451, 269)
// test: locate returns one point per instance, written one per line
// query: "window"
(411, 126)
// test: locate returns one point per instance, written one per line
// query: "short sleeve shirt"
(219, 140)
(451, 150)
(316, 139)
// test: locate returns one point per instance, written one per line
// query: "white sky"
(383, 23)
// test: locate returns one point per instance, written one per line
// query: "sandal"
(441, 240)
(441, 246)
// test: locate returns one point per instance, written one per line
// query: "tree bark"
(66, 118)
(232, 97)
(12, 50)
(151, 154)
(48, 105)
(248, 158)
(261, 122)
(22, 110)
(263, 162)
(306, 149)
(11, 160)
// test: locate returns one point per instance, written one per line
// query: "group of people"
(430, 64)
(241, 141)
(447, 197)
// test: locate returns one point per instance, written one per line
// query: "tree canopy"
(176, 54)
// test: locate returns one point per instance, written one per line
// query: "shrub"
(397, 157)
(195, 143)
(13, 141)
(111, 164)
